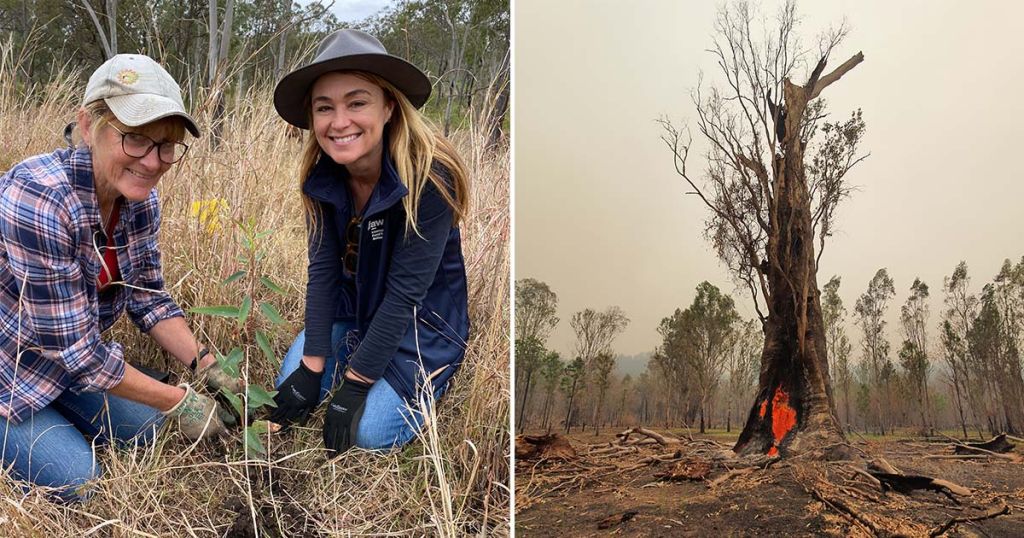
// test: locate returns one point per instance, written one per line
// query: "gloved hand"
(342, 415)
(297, 396)
(215, 377)
(198, 416)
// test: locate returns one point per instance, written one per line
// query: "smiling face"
(114, 172)
(349, 114)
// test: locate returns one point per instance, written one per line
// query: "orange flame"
(783, 418)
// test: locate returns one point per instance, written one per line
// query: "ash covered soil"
(692, 488)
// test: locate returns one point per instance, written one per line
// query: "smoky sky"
(601, 216)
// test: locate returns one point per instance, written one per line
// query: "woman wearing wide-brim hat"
(386, 301)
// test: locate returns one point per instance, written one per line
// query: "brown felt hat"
(347, 50)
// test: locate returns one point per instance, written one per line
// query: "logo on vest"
(376, 228)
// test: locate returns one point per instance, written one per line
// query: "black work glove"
(343, 416)
(297, 396)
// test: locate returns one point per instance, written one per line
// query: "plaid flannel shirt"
(51, 315)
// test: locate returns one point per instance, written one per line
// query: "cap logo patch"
(128, 76)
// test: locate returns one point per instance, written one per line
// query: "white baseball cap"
(138, 91)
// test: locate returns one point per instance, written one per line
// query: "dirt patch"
(629, 490)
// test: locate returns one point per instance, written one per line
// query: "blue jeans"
(49, 448)
(387, 422)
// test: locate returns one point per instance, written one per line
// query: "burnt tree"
(774, 178)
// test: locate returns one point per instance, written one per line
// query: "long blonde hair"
(414, 147)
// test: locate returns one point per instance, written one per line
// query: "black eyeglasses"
(351, 259)
(139, 145)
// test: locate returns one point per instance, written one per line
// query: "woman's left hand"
(340, 423)
(216, 378)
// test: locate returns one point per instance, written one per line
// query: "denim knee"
(77, 487)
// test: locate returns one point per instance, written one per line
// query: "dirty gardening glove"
(198, 416)
(297, 396)
(343, 416)
(214, 376)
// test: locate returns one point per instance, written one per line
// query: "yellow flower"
(209, 212)
(128, 76)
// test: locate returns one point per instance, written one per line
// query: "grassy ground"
(453, 481)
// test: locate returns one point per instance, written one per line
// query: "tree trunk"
(526, 394)
(112, 21)
(500, 107)
(568, 412)
(794, 410)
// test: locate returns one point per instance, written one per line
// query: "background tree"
(603, 364)
(870, 309)
(914, 351)
(961, 309)
(1008, 295)
(774, 178)
(570, 384)
(838, 342)
(221, 51)
(671, 370)
(741, 366)
(993, 343)
(595, 332)
(625, 388)
(551, 374)
(702, 335)
(536, 306)
(530, 354)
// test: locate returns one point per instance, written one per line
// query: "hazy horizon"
(600, 213)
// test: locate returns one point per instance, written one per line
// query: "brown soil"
(608, 491)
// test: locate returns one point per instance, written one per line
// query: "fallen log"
(997, 445)
(938, 531)
(892, 478)
(551, 446)
(662, 440)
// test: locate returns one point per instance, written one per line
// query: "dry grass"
(452, 482)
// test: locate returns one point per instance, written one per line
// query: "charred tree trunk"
(794, 410)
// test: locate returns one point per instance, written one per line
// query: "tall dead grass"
(452, 482)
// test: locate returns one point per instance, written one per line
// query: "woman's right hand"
(297, 396)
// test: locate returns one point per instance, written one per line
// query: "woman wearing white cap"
(78, 247)
(386, 312)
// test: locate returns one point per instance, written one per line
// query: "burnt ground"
(612, 489)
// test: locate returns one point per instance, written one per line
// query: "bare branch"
(835, 75)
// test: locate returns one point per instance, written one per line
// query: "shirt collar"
(326, 183)
(80, 168)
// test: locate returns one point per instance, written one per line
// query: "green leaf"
(230, 363)
(264, 344)
(259, 256)
(243, 313)
(271, 313)
(223, 311)
(233, 398)
(257, 396)
(272, 286)
(246, 242)
(263, 234)
(253, 444)
(233, 278)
